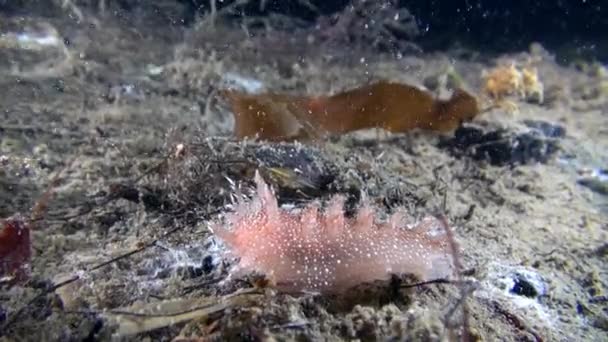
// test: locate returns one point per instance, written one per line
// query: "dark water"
(574, 28)
(577, 26)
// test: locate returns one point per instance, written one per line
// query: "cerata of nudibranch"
(324, 251)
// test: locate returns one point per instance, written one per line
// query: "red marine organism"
(15, 247)
(15, 242)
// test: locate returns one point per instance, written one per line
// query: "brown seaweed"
(390, 106)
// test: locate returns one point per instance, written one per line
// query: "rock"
(523, 287)
(596, 180)
(601, 322)
(548, 129)
(294, 169)
(505, 147)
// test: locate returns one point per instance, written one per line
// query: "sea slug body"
(324, 251)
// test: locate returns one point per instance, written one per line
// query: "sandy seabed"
(110, 105)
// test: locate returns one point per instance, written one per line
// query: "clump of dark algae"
(502, 147)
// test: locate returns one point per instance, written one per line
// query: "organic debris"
(385, 27)
(508, 80)
(297, 171)
(499, 147)
(327, 252)
(140, 317)
(390, 106)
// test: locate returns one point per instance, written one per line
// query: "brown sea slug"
(324, 251)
